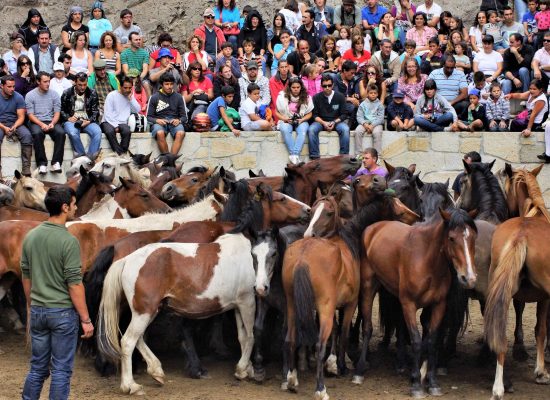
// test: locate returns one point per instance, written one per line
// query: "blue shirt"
(9, 107)
(213, 110)
(228, 15)
(97, 28)
(373, 18)
(449, 87)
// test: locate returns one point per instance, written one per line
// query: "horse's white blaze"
(201, 211)
(471, 275)
(262, 276)
(234, 274)
(314, 219)
(396, 181)
(293, 200)
(106, 209)
(498, 386)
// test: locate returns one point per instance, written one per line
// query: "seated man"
(103, 82)
(167, 114)
(124, 30)
(12, 121)
(44, 110)
(347, 84)
(119, 104)
(166, 60)
(329, 112)
(80, 113)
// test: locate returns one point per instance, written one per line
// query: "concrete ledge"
(438, 155)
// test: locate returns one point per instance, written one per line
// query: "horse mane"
(213, 183)
(430, 195)
(380, 208)
(238, 199)
(251, 218)
(536, 204)
(289, 187)
(413, 202)
(199, 168)
(488, 196)
(460, 219)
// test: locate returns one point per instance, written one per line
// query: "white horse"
(121, 167)
(196, 281)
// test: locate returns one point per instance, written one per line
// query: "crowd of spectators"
(362, 68)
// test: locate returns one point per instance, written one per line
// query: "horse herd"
(307, 245)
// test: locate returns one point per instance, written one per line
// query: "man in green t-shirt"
(136, 57)
(50, 266)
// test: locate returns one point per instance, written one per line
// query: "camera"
(294, 121)
(78, 124)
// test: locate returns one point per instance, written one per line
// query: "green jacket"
(110, 76)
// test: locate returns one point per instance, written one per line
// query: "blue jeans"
(313, 134)
(524, 76)
(440, 122)
(93, 130)
(294, 146)
(520, 6)
(54, 333)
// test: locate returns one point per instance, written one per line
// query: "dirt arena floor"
(465, 380)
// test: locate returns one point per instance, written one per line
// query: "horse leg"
(409, 313)
(188, 345)
(438, 311)
(244, 316)
(331, 364)
(498, 385)
(401, 345)
(325, 328)
(541, 375)
(348, 312)
(154, 368)
(519, 353)
(290, 381)
(133, 333)
(261, 311)
(216, 339)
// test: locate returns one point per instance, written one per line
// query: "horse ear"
(252, 174)
(211, 171)
(419, 182)
(222, 172)
(125, 162)
(467, 167)
(323, 188)
(130, 153)
(508, 169)
(93, 176)
(491, 164)
(17, 174)
(178, 168)
(473, 213)
(123, 182)
(444, 214)
(261, 173)
(260, 189)
(535, 171)
(220, 197)
(147, 158)
(412, 168)
(447, 183)
(389, 167)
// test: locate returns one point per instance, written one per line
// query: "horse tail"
(390, 311)
(501, 284)
(107, 327)
(304, 304)
(95, 278)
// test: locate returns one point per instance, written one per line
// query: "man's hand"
(85, 123)
(514, 50)
(517, 82)
(88, 329)
(537, 74)
(50, 126)
(307, 58)
(175, 122)
(236, 132)
(161, 122)
(72, 119)
(492, 124)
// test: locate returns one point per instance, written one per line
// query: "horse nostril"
(308, 210)
(169, 188)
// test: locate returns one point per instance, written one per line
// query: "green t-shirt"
(51, 260)
(135, 59)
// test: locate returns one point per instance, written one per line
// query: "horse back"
(10, 212)
(11, 245)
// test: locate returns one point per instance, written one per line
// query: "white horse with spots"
(196, 281)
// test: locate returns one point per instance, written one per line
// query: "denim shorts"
(169, 127)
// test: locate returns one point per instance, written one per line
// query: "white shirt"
(118, 108)
(487, 63)
(247, 107)
(434, 11)
(59, 86)
(531, 104)
(543, 57)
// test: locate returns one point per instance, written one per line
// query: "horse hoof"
(331, 366)
(133, 389)
(321, 395)
(497, 397)
(435, 391)
(159, 379)
(519, 353)
(284, 386)
(418, 393)
(442, 371)
(543, 378)
(357, 380)
(292, 380)
(259, 375)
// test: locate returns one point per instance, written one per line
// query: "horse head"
(404, 182)
(434, 196)
(523, 193)
(185, 188)
(326, 220)
(29, 192)
(365, 188)
(265, 255)
(138, 201)
(82, 161)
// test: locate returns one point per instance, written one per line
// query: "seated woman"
(223, 78)
(329, 53)
(294, 109)
(372, 76)
(386, 29)
(200, 92)
(197, 54)
(357, 53)
(411, 82)
(433, 113)
(488, 60)
(532, 117)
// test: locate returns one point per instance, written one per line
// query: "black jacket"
(91, 103)
(329, 111)
(480, 113)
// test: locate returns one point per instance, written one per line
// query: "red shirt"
(360, 61)
(204, 85)
(155, 54)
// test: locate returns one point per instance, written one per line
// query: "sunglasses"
(327, 86)
(26, 63)
(546, 40)
(371, 73)
(209, 16)
(195, 69)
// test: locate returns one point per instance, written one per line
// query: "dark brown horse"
(412, 263)
(519, 269)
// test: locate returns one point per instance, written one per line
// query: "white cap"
(57, 66)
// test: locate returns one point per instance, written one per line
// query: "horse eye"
(144, 194)
(330, 214)
(194, 180)
(451, 239)
(28, 188)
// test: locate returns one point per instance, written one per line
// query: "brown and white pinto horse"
(412, 262)
(519, 269)
(195, 281)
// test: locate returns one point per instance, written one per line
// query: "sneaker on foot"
(42, 170)
(447, 129)
(56, 167)
(544, 157)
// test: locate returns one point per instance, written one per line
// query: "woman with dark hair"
(3, 68)
(403, 11)
(329, 53)
(279, 26)
(82, 57)
(228, 17)
(196, 53)
(282, 50)
(294, 109)
(536, 108)
(386, 29)
(107, 51)
(74, 24)
(433, 113)
(254, 29)
(444, 27)
(25, 80)
(420, 33)
(277, 83)
(164, 41)
(411, 82)
(223, 78)
(17, 48)
(488, 60)
(357, 53)
(476, 36)
(293, 15)
(372, 76)
(200, 92)
(456, 24)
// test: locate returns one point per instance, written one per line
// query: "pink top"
(313, 86)
(204, 85)
(142, 100)
(421, 38)
(412, 90)
(543, 20)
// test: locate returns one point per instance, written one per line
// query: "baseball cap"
(252, 64)
(57, 66)
(98, 64)
(474, 92)
(398, 94)
(163, 52)
(208, 12)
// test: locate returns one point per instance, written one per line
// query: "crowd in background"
(362, 68)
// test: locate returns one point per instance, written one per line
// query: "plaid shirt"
(102, 88)
(421, 38)
(498, 111)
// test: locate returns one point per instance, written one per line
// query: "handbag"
(234, 30)
(522, 117)
(138, 123)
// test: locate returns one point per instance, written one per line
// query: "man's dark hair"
(349, 65)
(479, 76)
(7, 78)
(64, 56)
(473, 155)
(251, 87)
(433, 40)
(449, 57)
(384, 41)
(489, 39)
(132, 34)
(41, 74)
(227, 44)
(517, 36)
(42, 31)
(165, 37)
(227, 90)
(125, 12)
(124, 79)
(506, 8)
(167, 77)
(327, 78)
(81, 77)
(56, 197)
(310, 12)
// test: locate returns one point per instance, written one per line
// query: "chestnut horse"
(412, 263)
(195, 281)
(322, 274)
(519, 269)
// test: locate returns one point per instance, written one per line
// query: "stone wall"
(437, 155)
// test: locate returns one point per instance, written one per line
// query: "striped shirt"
(499, 110)
(110, 62)
(449, 86)
(135, 59)
(43, 105)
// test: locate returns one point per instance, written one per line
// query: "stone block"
(442, 177)
(528, 154)
(502, 144)
(201, 153)
(218, 134)
(453, 161)
(418, 143)
(227, 147)
(243, 161)
(468, 134)
(393, 144)
(445, 141)
(468, 144)
(191, 144)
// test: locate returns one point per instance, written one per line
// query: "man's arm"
(78, 298)
(462, 95)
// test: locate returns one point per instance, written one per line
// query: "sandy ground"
(465, 379)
